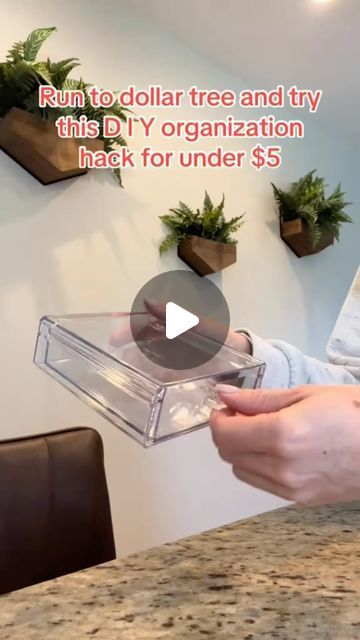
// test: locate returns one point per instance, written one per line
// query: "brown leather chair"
(55, 513)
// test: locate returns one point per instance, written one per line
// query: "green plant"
(209, 223)
(306, 199)
(22, 73)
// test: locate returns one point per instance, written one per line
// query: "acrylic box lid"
(95, 357)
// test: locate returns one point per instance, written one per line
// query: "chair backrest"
(55, 513)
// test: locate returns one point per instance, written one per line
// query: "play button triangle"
(178, 320)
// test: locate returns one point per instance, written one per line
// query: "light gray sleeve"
(287, 366)
(344, 345)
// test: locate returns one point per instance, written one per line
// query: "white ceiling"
(311, 43)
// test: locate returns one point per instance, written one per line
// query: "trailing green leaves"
(210, 223)
(34, 42)
(306, 199)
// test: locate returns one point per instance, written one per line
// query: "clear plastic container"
(95, 357)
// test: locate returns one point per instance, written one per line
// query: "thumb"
(255, 401)
(156, 309)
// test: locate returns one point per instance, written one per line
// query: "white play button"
(194, 305)
(178, 320)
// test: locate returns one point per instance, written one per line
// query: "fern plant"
(209, 223)
(306, 199)
(22, 73)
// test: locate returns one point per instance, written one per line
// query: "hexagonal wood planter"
(206, 256)
(34, 144)
(296, 235)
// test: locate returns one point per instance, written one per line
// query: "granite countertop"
(290, 574)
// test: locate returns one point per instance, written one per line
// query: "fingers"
(279, 470)
(278, 439)
(206, 327)
(300, 488)
(156, 309)
(253, 402)
(260, 482)
(251, 434)
(122, 334)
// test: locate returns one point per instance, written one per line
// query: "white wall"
(86, 245)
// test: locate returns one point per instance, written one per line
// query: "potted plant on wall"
(310, 221)
(203, 238)
(27, 132)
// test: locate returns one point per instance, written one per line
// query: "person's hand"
(302, 444)
(157, 311)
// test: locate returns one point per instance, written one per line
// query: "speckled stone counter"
(291, 574)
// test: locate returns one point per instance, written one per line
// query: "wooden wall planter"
(34, 144)
(296, 235)
(206, 256)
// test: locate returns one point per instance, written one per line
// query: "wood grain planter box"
(206, 256)
(296, 235)
(34, 144)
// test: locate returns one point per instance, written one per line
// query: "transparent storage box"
(148, 401)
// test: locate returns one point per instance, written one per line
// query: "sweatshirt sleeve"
(287, 366)
(344, 345)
